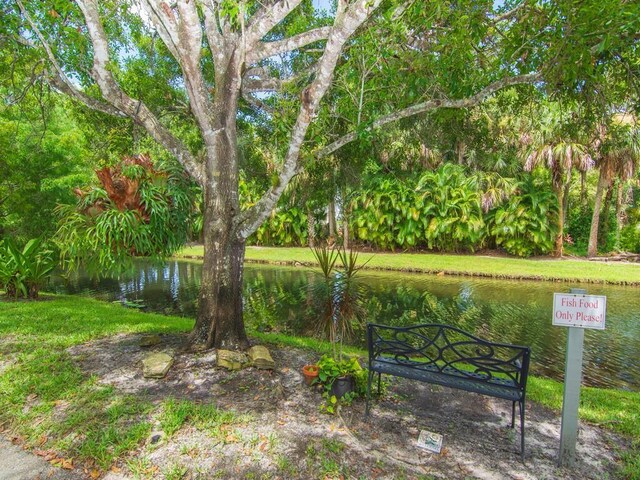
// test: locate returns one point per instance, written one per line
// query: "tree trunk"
(345, 231)
(565, 197)
(606, 222)
(592, 248)
(331, 219)
(311, 229)
(220, 321)
(560, 234)
(619, 213)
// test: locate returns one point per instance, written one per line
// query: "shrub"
(524, 225)
(24, 271)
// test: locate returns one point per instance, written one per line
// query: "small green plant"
(175, 471)
(331, 369)
(24, 271)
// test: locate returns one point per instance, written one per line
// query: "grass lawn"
(569, 270)
(50, 405)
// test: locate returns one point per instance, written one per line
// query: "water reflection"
(281, 299)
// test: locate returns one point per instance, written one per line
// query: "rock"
(155, 438)
(233, 360)
(156, 365)
(150, 340)
(260, 357)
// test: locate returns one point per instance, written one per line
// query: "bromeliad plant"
(24, 271)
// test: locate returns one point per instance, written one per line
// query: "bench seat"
(450, 377)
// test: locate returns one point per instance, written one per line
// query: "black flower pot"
(342, 386)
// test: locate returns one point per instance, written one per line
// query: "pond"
(281, 299)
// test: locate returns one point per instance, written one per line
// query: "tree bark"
(331, 220)
(592, 248)
(619, 213)
(565, 197)
(220, 321)
(311, 229)
(560, 234)
(345, 231)
(603, 233)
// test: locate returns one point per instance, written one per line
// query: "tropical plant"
(524, 226)
(619, 151)
(139, 208)
(339, 296)
(24, 271)
(556, 145)
(451, 210)
(385, 214)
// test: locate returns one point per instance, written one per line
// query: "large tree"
(279, 57)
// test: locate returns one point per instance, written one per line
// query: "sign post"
(576, 311)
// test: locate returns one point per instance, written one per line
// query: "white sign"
(576, 310)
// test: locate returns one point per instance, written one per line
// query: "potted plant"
(310, 373)
(339, 377)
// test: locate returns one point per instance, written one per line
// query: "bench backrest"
(449, 350)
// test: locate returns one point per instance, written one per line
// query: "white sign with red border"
(577, 310)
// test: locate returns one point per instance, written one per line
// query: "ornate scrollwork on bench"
(451, 357)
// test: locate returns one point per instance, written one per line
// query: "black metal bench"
(448, 356)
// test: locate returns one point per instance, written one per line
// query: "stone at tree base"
(260, 357)
(150, 340)
(156, 365)
(233, 360)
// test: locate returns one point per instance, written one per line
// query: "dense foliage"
(139, 208)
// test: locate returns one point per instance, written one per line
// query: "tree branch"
(135, 109)
(432, 105)
(510, 13)
(253, 85)
(59, 80)
(345, 25)
(265, 19)
(269, 49)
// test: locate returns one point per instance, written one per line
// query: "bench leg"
(521, 405)
(379, 375)
(513, 414)
(369, 379)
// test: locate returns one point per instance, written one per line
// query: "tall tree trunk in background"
(606, 221)
(583, 187)
(345, 231)
(331, 220)
(560, 234)
(619, 213)
(565, 197)
(461, 149)
(311, 228)
(592, 248)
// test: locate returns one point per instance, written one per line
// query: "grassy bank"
(51, 406)
(564, 270)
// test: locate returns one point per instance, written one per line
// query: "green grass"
(50, 404)
(47, 401)
(176, 413)
(566, 270)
